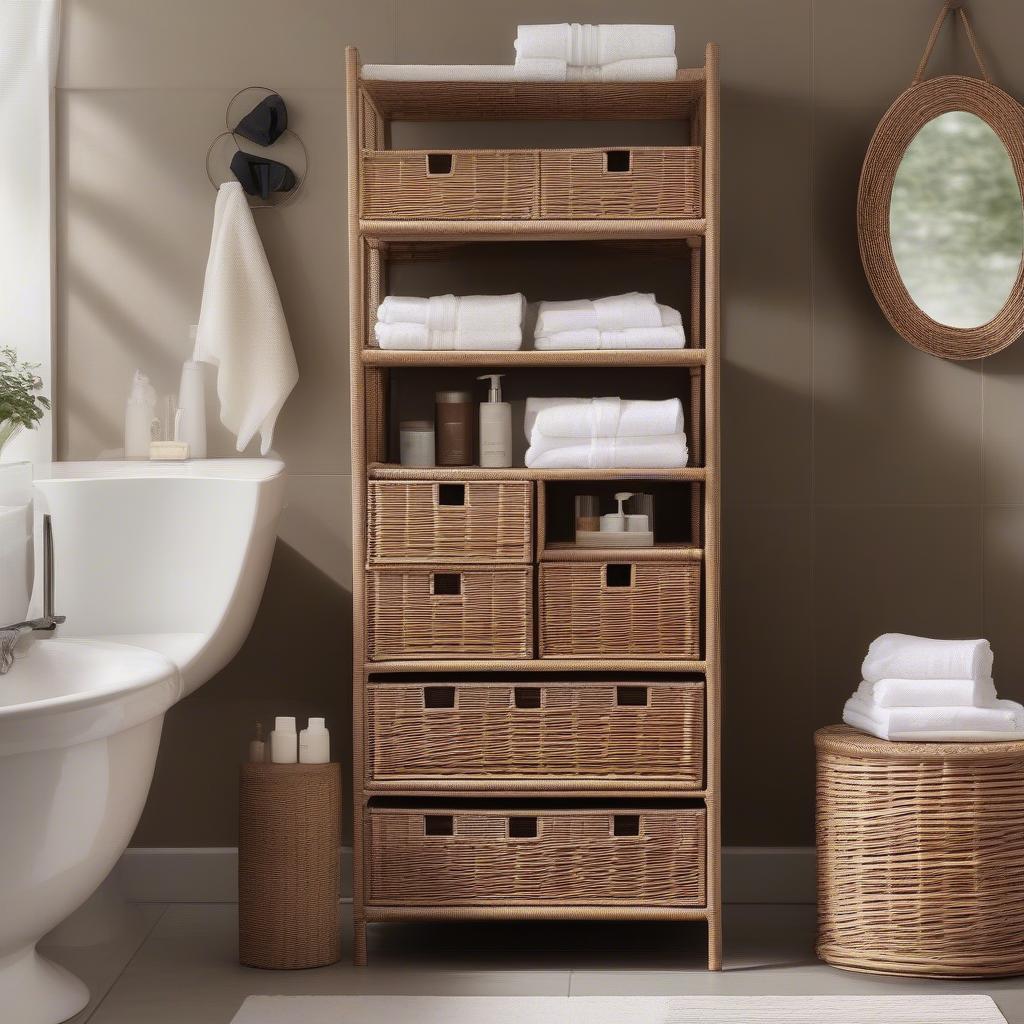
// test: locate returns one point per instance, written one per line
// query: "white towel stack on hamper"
(917, 689)
(604, 433)
(635, 320)
(560, 53)
(489, 323)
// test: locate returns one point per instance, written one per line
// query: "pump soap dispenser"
(495, 426)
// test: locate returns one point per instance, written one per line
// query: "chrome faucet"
(9, 635)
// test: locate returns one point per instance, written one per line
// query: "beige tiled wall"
(868, 486)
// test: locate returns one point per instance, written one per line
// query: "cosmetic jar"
(454, 421)
(416, 442)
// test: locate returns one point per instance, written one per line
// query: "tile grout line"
(124, 967)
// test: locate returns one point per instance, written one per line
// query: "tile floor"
(177, 963)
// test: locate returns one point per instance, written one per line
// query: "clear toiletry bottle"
(141, 424)
(495, 426)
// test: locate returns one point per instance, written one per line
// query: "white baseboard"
(750, 874)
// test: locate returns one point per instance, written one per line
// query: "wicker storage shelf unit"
(641, 182)
(525, 857)
(462, 184)
(431, 521)
(536, 734)
(609, 609)
(444, 611)
(920, 855)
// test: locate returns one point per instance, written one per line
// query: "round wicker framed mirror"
(940, 211)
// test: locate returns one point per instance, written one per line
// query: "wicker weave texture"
(574, 858)
(490, 617)
(660, 182)
(920, 856)
(656, 616)
(462, 522)
(540, 730)
(289, 865)
(481, 185)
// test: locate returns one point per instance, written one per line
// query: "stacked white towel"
(604, 433)
(560, 53)
(489, 323)
(915, 688)
(635, 320)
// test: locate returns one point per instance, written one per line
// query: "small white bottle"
(191, 427)
(495, 426)
(141, 425)
(257, 746)
(284, 741)
(315, 743)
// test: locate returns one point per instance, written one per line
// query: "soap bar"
(168, 451)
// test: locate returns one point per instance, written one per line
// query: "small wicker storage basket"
(464, 184)
(448, 611)
(920, 855)
(560, 857)
(482, 521)
(653, 612)
(541, 733)
(289, 865)
(654, 182)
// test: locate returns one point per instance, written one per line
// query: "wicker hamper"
(920, 855)
(289, 865)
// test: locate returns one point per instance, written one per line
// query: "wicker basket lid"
(842, 739)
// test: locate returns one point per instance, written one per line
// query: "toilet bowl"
(159, 571)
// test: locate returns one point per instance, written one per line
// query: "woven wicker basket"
(289, 865)
(415, 612)
(920, 855)
(463, 184)
(653, 182)
(536, 858)
(648, 609)
(538, 733)
(486, 521)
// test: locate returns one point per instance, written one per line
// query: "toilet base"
(34, 990)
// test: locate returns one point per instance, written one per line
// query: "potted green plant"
(21, 405)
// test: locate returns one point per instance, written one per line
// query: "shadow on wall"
(296, 661)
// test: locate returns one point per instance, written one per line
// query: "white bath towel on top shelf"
(482, 322)
(602, 417)
(587, 45)
(1005, 720)
(657, 452)
(901, 656)
(929, 693)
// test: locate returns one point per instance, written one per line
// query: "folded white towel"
(612, 313)
(594, 44)
(242, 329)
(929, 693)
(659, 452)
(631, 339)
(484, 322)
(649, 69)
(1005, 720)
(602, 417)
(900, 656)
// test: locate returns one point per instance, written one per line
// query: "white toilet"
(159, 570)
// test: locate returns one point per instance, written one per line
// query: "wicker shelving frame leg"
(694, 96)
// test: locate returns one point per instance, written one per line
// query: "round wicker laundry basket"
(920, 855)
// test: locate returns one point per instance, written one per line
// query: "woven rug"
(618, 1010)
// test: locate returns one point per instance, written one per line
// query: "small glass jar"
(453, 416)
(416, 442)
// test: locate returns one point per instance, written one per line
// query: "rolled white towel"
(901, 656)
(1005, 720)
(929, 693)
(664, 452)
(582, 44)
(602, 417)
(612, 313)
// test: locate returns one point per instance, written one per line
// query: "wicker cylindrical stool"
(920, 855)
(289, 865)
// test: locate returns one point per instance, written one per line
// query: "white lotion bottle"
(284, 741)
(315, 743)
(192, 406)
(495, 426)
(140, 419)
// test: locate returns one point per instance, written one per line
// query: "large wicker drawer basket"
(920, 855)
(562, 857)
(536, 733)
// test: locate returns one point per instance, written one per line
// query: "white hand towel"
(242, 329)
(602, 417)
(900, 656)
(581, 44)
(664, 452)
(420, 338)
(1003, 721)
(612, 313)
(487, 322)
(929, 693)
(632, 339)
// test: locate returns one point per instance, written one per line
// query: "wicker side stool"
(920, 855)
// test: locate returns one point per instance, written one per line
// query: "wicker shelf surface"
(553, 664)
(390, 471)
(529, 230)
(529, 357)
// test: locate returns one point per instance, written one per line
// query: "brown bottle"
(453, 413)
